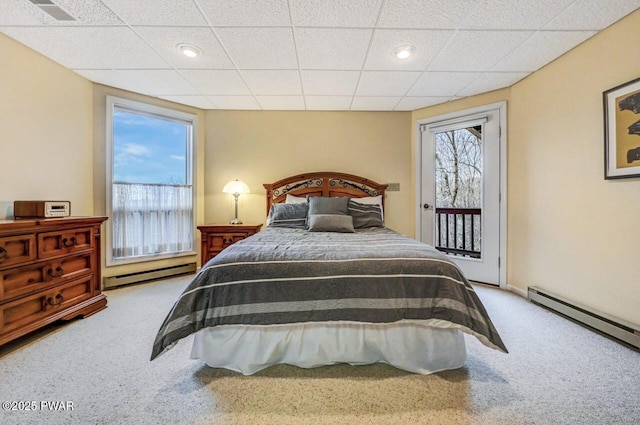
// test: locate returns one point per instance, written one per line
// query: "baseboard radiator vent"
(125, 279)
(618, 329)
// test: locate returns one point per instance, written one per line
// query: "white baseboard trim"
(517, 291)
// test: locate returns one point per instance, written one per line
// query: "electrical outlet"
(393, 187)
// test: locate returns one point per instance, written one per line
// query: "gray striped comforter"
(283, 275)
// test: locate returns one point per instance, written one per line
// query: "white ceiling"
(309, 54)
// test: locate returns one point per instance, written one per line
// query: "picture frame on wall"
(622, 131)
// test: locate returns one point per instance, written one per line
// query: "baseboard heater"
(618, 329)
(125, 279)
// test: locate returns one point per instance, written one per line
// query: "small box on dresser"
(49, 270)
(216, 237)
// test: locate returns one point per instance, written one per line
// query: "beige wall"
(569, 230)
(264, 146)
(52, 138)
(46, 129)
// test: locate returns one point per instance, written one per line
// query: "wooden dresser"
(216, 237)
(49, 270)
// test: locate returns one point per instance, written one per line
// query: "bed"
(325, 286)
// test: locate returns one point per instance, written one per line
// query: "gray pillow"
(365, 215)
(330, 223)
(322, 205)
(289, 215)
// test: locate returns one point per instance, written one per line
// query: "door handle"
(426, 206)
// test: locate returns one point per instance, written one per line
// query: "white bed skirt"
(410, 346)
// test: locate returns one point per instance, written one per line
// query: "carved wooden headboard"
(322, 184)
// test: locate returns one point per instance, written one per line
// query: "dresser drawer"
(54, 244)
(27, 279)
(36, 307)
(16, 250)
(218, 242)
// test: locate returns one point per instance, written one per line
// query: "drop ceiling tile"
(234, 102)
(374, 103)
(246, 12)
(328, 103)
(477, 50)
(64, 50)
(101, 45)
(259, 48)
(593, 14)
(152, 82)
(442, 83)
(329, 39)
(268, 83)
(426, 14)
(157, 12)
(22, 13)
(137, 53)
(201, 102)
(216, 82)
(164, 40)
(540, 49)
(330, 82)
(337, 49)
(427, 44)
(386, 83)
(281, 103)
(87, 12)
(492, 81)
(155, 82)
(515, 14)
(335, 13)
(107, 77)
(413, 103)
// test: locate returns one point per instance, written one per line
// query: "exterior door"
(460, 212)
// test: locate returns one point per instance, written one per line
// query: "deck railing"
(458, 231)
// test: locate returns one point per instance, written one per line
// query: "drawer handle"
(59, 272)
(59, 300)
(69, 242)
(3, 254)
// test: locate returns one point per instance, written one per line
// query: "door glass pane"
(458, 180)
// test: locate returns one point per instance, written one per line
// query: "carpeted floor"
(556, 373)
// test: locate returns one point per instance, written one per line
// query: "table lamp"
(236, 187)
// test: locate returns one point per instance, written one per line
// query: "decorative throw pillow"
(365, 215)
(372, 200)
(330, 223)
(322, 205)
(289, 215)
(291, 199)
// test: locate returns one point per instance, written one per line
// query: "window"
(150, 192)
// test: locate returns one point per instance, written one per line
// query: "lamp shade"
(236, 187)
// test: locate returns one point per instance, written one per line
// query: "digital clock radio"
(41, 209)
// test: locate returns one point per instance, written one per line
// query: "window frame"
(148, 110)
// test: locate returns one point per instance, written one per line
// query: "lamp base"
(235, 221)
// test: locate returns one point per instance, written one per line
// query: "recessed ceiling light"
(189, 50)
(404, 52)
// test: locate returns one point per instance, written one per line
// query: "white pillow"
(295, 199)
(371, 200)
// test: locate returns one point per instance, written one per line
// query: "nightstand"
(216, 237)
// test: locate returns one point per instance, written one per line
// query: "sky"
(148, 150)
